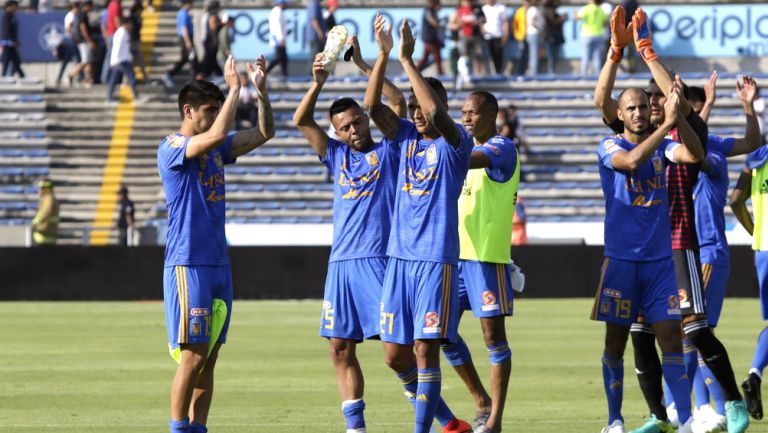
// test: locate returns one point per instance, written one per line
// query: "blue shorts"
(188, 293)
(715, 278)
(485, 288)
(761, 264)
(352, 298)
(629, 287)
(419, 301)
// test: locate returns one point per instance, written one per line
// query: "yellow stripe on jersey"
(599, 288)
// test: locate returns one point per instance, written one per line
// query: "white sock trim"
(346, 403)
(757, 372)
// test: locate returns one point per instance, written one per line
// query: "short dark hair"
(342, 105)
(196, 93)
(696, 94)
(489, 101)
(438, 87)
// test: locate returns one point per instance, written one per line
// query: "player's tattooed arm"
(217, 133)
(393, 95)
(739, 196)
(384, 118)
(433, 108)
(246, 141)
(605, 82)
(746, 89)
(304, 118)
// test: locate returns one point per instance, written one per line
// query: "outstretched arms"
(747, 93)
(394, 96)
(384, 118)
(620, 37)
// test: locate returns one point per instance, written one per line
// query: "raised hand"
(672, 105)
(257, 73)
(407, 42)
(230, 73)
(642, 32)
(383, 34)
(319, 74)
(710, 89)
(746, 89)
(621, 35)
(357, 56)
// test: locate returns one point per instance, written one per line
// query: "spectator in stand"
(246, 104)
(594, 21)
(432, 36)
(315, 30)
(519, 20)
(278, 32)
(553, 33)
(534, 25)
(454, 44)
(121, 60)
(185, 33)
(330, 8)
(125, 220)
(519, 233)
(9, 40)
(209, 65)
(225, 38)
(471, 17)
(114, 13)
(45, 224)
(510, 125)
(496, 32)
(67, 50)
(85, 45)
(136, 23)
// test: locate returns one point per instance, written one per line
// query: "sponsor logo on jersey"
(199, 312)
(373, 159)
(612, 293)
(495, 149)
(431, 155)
(674, 305)
(683, 295)
(176, 141)
(610, 146)
(431, 319)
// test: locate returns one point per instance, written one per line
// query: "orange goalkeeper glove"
(643, 41)
(620, 35)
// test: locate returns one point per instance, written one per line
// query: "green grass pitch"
(70, 367)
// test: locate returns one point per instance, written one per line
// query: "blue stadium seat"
(311, 219)
(294, 205)
(267, 205)
(286, 170)
(240, 205)
(319, 205)
(251, 187)
(235, 169)
(275, 187)
(312, 170)
(259, 220)
(285, 220)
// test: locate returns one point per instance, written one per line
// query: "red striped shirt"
(681, 178)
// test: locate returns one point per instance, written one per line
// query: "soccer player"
(197, 280)
(710, 194)
(682, 178)
(486, 209)
(638, 273)
(752, 184)
(419, 306)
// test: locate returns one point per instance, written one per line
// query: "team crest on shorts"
(683, 295)
(431, 323)
(489, 299)
(196, 328)
(674, 305)
(605, 308)
(373, 159)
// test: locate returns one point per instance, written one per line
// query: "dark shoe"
(751, 387)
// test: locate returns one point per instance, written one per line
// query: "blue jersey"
(364, 195)
(709, 198)
(503, 155)
(636, 205)
(425, 223)
(194, 195)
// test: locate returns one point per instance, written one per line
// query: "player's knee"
(457, 353)
(494, 332)
(427, 352)
(398, 360)
(193, 357)
(703, 339)
(340, 350)
(499, 353)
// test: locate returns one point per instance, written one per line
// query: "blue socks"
(353, 411)
(761, 352)
(197, 428)
(427, 397)
(499, 353)
(700, 388)
(613, 382)
(457, 353)
(691, 358)
(410, 378)
(179, 426)
(674, 370)
(715, 390)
